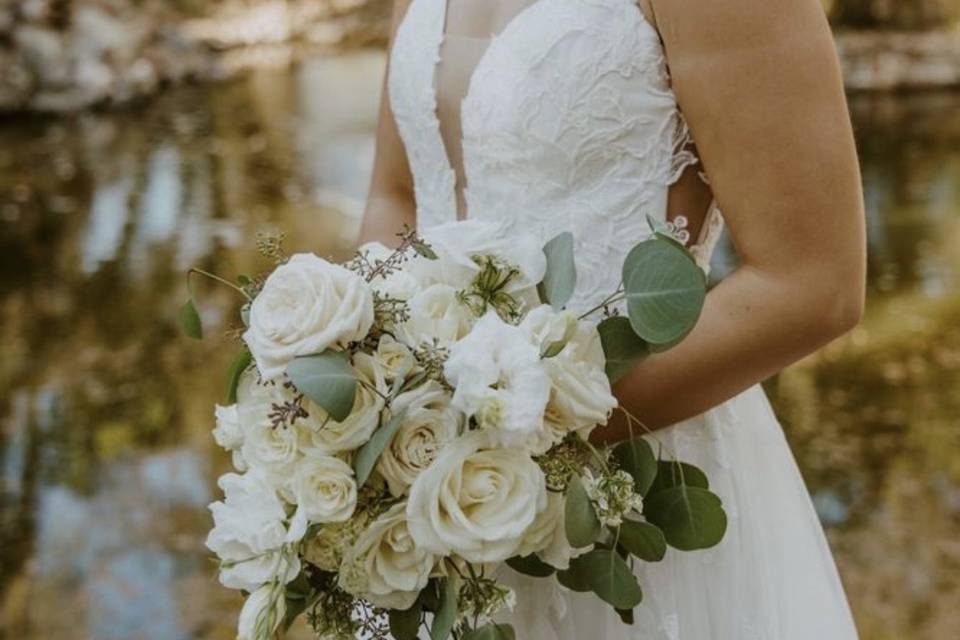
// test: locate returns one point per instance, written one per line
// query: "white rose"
(324, 489)
(263, 611)
(268, 445)
(326, 436)
(436, 316)
(547, 536)
(499, 378)
(385, 566)
(400, 284)
(457, 243)
(250, 534)
(229, 434)
(429, 423)
(475, 501)
(395, 358)
(306, 306)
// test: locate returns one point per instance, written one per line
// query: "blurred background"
(141, 137)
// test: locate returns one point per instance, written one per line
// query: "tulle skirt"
(771, 578)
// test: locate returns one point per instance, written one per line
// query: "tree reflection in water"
(107, 460)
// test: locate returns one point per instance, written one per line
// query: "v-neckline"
(460, 190)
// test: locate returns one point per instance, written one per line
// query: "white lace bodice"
(569, 123)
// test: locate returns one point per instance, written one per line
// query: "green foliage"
(622, 347)
(446, 616)
(492, 632)
(691, 518)
(561, 277)
(665, 291)
(404, 624)
(605, 573)
(190, 320)
(580, 519)
(328, 380)
(369, 454)
(643, 540)
(671, 473)
(531, 566)
(237, 367)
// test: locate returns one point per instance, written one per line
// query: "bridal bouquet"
(407, 423)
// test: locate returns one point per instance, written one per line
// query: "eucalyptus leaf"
(429, 597)
(530, 565)
(327, 379)
(635, 456)
(573, 580)
(671, 473)
(609, 577)
(622, 347)
(369, 454)
(580, 519)
(189, 320)
(665, 291)
(553, 349)
(643, 540)
(492, 631)
(446, 617)
(237, 367)
(560, 279)
(626, 615)
(690, 517)
(405, 623)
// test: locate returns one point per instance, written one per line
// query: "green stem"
(217, 279)
(608, 300)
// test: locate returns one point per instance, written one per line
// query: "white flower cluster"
(483, 379)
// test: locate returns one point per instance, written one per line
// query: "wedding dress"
(565, 120)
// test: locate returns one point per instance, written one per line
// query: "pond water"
(106, 458)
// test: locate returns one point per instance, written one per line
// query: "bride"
(590, 115)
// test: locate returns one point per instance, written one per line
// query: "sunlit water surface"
(106, 458)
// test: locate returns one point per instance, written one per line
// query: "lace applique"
(569, 124)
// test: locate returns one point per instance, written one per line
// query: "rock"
(16, 83)
(44, 54)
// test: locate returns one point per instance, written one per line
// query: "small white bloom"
(262, 613)
(306, 306)
(475, 501)
(324, 489)
(581, 397)
(457, 243)
(499, 378)
(229, 434)
(613, 495)
(250, 533)
(436, 317)
(429, 423)
(385, 566)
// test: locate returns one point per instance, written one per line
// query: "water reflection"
(107, 461)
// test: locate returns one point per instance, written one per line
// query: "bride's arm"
(759, 83)
(390, 202)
